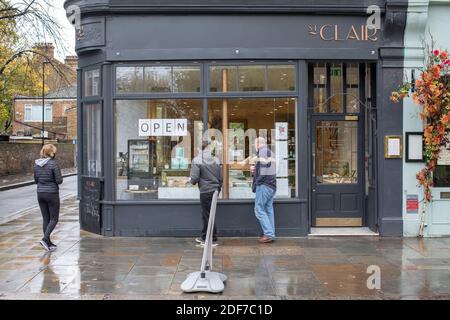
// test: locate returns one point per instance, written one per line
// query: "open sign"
(162, 127)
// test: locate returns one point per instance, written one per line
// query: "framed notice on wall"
(444, 154)
(414, 147)
(392, 147)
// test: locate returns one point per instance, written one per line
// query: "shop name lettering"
(334, 32)
(163, 127)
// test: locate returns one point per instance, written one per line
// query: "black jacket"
(47, 175)
(206, 171)
(265, 170)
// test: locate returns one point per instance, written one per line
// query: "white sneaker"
(45, 245)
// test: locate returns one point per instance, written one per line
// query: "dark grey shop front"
(311, 69)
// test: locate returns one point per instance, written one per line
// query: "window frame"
(98, 104)
(204, 95)
(84, 82)
(31, 106)
(156, 95)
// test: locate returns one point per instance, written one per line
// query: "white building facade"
(427, 22)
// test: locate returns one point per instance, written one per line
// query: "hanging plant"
(431, 92)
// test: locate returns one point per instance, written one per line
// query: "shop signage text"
(335, 32)
(162, 127)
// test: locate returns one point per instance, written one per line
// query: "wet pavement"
(87, 266)
(27, 177)
(14, 201)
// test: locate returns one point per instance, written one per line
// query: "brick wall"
(64, 120)
(16, 157)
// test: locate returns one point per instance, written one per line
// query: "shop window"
(92, 83)
(129, 79)
(441, 176)
(155, 143)
(186, 79)
(223, 78)
(252, 78)
(93, 139)
(158, 79)
(245, 119)
(281, 78)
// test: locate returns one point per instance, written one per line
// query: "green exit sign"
(336, 72)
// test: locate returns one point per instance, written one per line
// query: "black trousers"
(49, 204)
(205, 201)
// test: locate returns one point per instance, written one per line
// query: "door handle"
(314, 190)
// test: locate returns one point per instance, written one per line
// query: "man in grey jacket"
(206, 172)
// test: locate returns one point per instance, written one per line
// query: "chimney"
(45, 48)
(71, 61)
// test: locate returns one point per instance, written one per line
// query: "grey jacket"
(206, 171)
(47, 175)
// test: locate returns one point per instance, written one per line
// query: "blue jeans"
(264, 209)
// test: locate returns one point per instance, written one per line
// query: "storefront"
(157, 77)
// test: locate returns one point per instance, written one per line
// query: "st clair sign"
(335, 32)
(162, 127)
(367, 31)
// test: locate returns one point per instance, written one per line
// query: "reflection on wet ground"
(88, 266)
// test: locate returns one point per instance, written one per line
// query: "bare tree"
(31, 22)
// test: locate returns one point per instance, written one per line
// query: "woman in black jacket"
(47, 175)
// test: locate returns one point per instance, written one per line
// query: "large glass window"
(242, 120)
(157, 79)
(155, 144)
(157, 139)
(252, 78)
(93, 139)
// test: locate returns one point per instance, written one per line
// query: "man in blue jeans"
(265, 187)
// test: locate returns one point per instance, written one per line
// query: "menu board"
(90, 207)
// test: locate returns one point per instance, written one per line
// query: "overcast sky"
(68, 32)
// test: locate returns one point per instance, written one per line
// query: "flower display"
(431, 92)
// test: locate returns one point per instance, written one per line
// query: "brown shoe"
(265, 239)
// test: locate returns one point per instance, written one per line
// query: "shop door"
(337, 182)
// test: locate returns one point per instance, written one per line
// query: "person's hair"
(260, 141)
(48, 151)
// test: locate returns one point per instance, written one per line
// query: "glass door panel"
(336, 159)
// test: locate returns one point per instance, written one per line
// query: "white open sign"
(162, 127)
